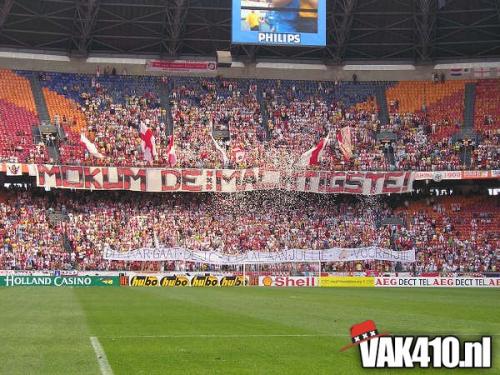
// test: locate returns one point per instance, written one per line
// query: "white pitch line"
(220, 336)
(101, 356)
(216, 336)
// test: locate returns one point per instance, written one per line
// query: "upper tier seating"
(107, 109)
(267, 123)
(441, 104)
(487, 110)
(17, 117)
(202, 106)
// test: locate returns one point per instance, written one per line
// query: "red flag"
(313, 156)
(172, 158)
(148, 142)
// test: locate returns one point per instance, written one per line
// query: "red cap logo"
(363, 332)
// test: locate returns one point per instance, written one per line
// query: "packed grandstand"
(249, 186)
(256, 123)
(108, 119)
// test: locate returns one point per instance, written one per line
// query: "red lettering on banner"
(129, 176)
(188, 182)
(67, 181)
(248, 179)
(354, 183)
(164, 183)
(90, 178)
(338, 182)
(223, 180)
(443, 282)
(196, 180)
(394, 182)
(494, 282)
(106, 184)
(374, 177)
(43, 172)
(270, 184)
(307, 179)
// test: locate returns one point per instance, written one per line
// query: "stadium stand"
(107, 109)
(487, 110)
(258, 122)
(454, 233)
(18, 116)
(204, 107)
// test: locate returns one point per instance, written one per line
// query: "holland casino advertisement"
(279, 22)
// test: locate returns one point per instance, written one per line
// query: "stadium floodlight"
(33, 56)
(115, 60)
(379, 67)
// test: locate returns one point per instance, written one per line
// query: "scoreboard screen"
(279, 22)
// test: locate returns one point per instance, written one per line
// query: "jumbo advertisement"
(185, 280)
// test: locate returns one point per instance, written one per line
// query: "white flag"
(91, 148)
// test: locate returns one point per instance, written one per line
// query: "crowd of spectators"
(114, 127)
(227, 108)
(448, 235)
(238, 123)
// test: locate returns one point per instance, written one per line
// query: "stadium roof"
(358, 30)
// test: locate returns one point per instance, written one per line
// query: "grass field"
(225, 330)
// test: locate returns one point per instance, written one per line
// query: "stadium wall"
(237, 279)
(329, 73)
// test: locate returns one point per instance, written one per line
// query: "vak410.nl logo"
(381, 350)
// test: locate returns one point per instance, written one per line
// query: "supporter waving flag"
(148, 142)
(313, 156)
(344, 141)
(172, 158)
(238, 154)
(91, 148)
(225, 159)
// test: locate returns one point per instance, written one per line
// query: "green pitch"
(225, 330)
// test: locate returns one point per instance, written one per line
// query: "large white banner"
(221, 180)
(257, 257)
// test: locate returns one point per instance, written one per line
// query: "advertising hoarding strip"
(437, 282)
(185, 280)
(60, 281)
(288, 281)
(347, 282)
